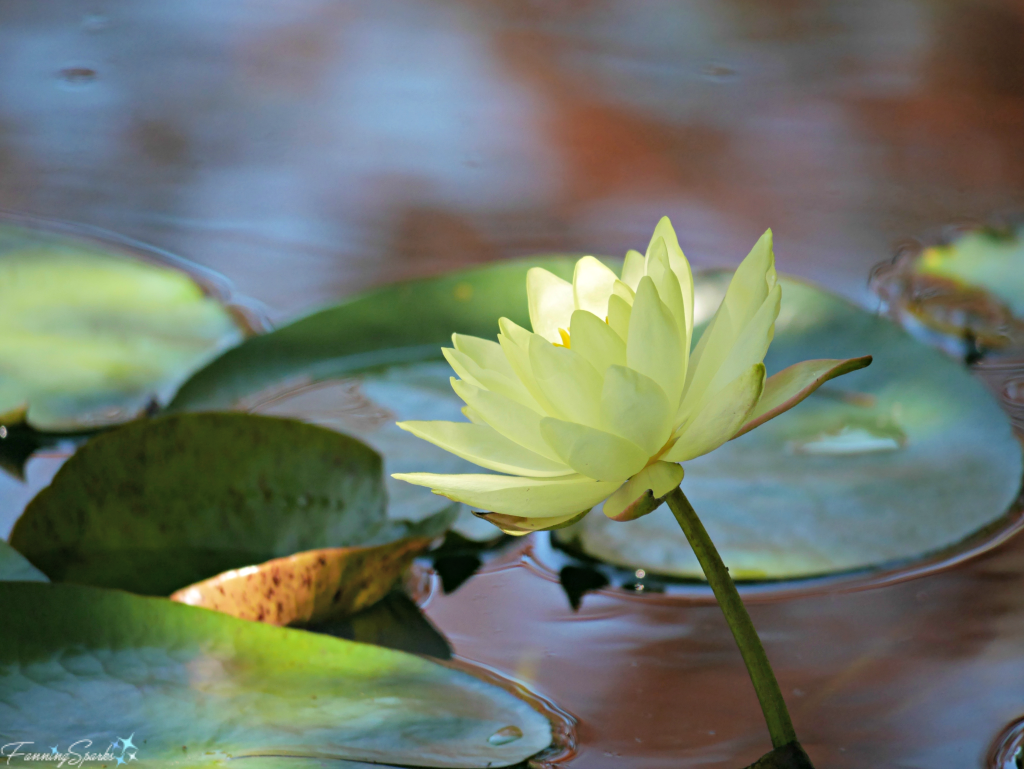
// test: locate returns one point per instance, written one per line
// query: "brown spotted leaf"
(307, 587)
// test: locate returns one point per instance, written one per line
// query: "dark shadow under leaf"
(578, 580)
(394, 622)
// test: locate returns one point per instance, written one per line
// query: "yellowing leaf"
(307, 587)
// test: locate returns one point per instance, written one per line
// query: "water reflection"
(308, 149)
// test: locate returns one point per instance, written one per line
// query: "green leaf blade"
(160, 504)
(197, 687)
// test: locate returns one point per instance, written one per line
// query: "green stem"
(780, 727)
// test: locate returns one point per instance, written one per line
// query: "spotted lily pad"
(194, 688)
(15, 568)
(91, 336)
(157, 505)
(309, 587)
(905, 458)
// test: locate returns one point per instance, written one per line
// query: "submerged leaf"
(308, 587)
(197, 688)
(92, 337)
(160, 504)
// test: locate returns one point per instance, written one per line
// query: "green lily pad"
(14, 567)
(909, 436)
(400, 323)
(160, 504)
(894, 462)
(987, 259)
(367, 406)
(965, 295)
(387, 344)
(196, 688)
(91, 336)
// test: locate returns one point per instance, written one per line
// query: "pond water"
(308, 149)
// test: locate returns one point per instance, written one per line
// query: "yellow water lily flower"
(604, 399)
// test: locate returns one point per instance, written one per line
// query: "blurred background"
(308, 149)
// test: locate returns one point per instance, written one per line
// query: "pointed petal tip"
(787, 388)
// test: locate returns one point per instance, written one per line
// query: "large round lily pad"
(195, 688)
(91, 336)
(159, 504)
(899, 460)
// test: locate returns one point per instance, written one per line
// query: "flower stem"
(780, 727)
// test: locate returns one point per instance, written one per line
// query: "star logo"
(53, 750)
(120, 760)
(128, 743)
(131, 756)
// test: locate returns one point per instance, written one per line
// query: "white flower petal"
(568, 382)
(483, 445)
(485, 353)
(635, 407)
(753, 279)
(473, 416)
(591, 452)
(653, 482)
(721, 418)
(489, 378)
(654, 346)
(513, 495)
(592, 285)
(751, 343)
(595, 340)
(680, 266)
(513, 420)
(633, 268)
(621, 289)
(619, 311)
(551, 303)
(669, 291)
(749, 290)
(515, 343)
